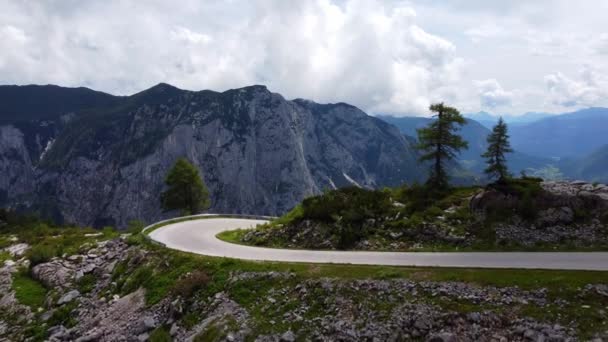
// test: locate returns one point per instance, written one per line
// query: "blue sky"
(383, 56)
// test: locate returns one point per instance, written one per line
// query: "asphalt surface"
(199, 236)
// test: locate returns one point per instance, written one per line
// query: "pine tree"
(498, 146)
(439, 143)
(186, 190)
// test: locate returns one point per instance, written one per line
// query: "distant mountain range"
(592, 167)
(573, 143)
(570, 135)
(489, 120)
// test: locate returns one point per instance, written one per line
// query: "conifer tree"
(186, 190)
(439, 143)
(498, 146)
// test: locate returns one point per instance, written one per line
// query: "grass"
(87, 283)
(233, 236)
(28, 291)
(160, 334)
(4, 256)
(164, 271)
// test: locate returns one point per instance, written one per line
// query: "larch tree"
(498, 146)
(439, 143)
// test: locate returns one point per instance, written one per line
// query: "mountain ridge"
(259, 153)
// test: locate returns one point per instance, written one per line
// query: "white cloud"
(365, 52)
(381, 55)
(589, 90)
(491, 94)
(483, 32)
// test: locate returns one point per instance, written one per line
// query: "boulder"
(68, 297)
(53, 274)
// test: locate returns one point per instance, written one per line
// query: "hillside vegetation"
(108, 287)
(522, 214)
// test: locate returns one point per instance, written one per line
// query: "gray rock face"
(259, 154)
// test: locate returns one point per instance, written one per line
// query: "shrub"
(347, 204)
(160, 334)
(135, 226)
(137, 279)
(432, 212)
(86, 283)
(42, 253)
(63, 315)
(191, 283)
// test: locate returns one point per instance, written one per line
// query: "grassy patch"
(87, 283)
(160, 334)
(4, 256)
(28, 291)
(63, 315)
(233, 236)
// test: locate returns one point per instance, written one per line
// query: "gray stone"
(442, 337)
(17, 250)
(68, 297)
(174, 329)
(288, 336)
(148, 323)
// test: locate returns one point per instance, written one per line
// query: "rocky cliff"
(94, 159)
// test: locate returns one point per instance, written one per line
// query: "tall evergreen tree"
(439, 143)
(498, 146)
(186, 190)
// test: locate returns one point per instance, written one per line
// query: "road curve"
(199, 236)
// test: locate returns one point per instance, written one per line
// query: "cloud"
(491, 94)
(382, 55)
(487, 31)
(588, 90)
(365, 52)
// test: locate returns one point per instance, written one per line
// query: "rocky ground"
(121, 290)
(563, 215)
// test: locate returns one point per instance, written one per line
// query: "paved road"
(199, 237)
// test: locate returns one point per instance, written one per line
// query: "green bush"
(432, 212)
(86, 283)
(160, 334)
(63, 315)
(42, 253)
(137, 279)
(135, 227)
(347, 205)
(191, 283)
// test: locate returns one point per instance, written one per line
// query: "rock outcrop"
(259, 153)
(559, 213)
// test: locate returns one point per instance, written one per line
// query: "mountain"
(592, 167)
(90, 158)
(489, 120)
(486, 119)
(566, 135)
(475, 134)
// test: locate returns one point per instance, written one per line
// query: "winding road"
(199, 236)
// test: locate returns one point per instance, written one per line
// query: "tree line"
(439, 144)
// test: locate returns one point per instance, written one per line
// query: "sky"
(396, 57)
